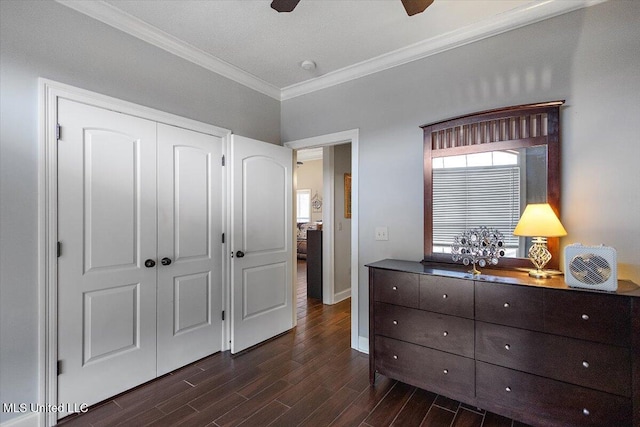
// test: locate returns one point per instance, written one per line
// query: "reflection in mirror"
(487, 167)
(487, 189)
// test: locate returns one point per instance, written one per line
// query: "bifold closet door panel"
(189, 246)
(107, 230)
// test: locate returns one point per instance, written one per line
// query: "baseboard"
(340, 296)
(25, 420)
(363, 345)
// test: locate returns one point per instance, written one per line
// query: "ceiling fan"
(411, 6)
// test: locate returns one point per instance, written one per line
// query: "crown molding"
(123, 21)
(492, 26)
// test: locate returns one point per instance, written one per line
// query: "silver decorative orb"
(481, 245)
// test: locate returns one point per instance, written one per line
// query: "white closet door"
(261, 181)
(107, 228)
(189, 246)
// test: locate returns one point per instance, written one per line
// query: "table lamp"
(539, 221)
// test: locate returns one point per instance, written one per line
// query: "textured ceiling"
(252, 44)
(334, 33)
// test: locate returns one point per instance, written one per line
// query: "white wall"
(342, 226)
(310, 177)
(588, 57)
(46, 39)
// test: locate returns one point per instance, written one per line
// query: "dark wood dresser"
(532, 350)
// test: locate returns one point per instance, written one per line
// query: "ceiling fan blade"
(415, 6)
(284, 5)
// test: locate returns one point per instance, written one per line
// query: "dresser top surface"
(513, 277)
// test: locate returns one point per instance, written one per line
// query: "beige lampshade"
(539, 220)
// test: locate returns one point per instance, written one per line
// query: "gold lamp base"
(540, 274)
(539, 256)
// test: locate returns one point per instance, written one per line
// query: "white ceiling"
(253, 44)
(309, 154)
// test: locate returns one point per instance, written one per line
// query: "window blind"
(474, 196)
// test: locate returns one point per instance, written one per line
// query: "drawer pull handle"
(508, 389)
(585, 364)
(445, 296)
(395, 357)
(395, 322)
(586, 412)
(395, 288)
(585, 317)
(446, 371)
(506, 305)
(507, 347)
(445, 333)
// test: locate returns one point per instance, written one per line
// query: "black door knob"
(149, 263)
(239, 254)
(165, 261)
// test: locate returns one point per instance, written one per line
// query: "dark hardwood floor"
(308, 377)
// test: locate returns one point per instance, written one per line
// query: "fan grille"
(590, 269)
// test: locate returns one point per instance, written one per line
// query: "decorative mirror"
(483, 169)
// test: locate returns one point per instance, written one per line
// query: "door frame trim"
(49, 92)
(349, 136)
(328, 224)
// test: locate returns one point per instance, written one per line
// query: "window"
(459, 186)
(303, 203)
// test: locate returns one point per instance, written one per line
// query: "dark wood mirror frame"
(500, 129)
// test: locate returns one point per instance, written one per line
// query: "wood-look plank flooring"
(307, 377)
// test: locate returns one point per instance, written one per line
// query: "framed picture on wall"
(316, 203)
(347, 195)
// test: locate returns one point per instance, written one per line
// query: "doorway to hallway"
(328, 141)
(323, 196)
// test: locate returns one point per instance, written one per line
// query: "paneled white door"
(261, 241)
(107, 229)
(189, 246)
(140, 270)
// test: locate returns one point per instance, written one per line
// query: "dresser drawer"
(447, 295)
(599, 366)
(601, 318)
(547, 402)
(434, 370)
(396, 287)
(438, 331)
(510, 305)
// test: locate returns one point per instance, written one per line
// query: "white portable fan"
(591, 267)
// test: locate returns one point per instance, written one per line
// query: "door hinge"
(223, 162)
(59, 367)
(58, 249)
(222, 314)
(222, 237)
(58, 132)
